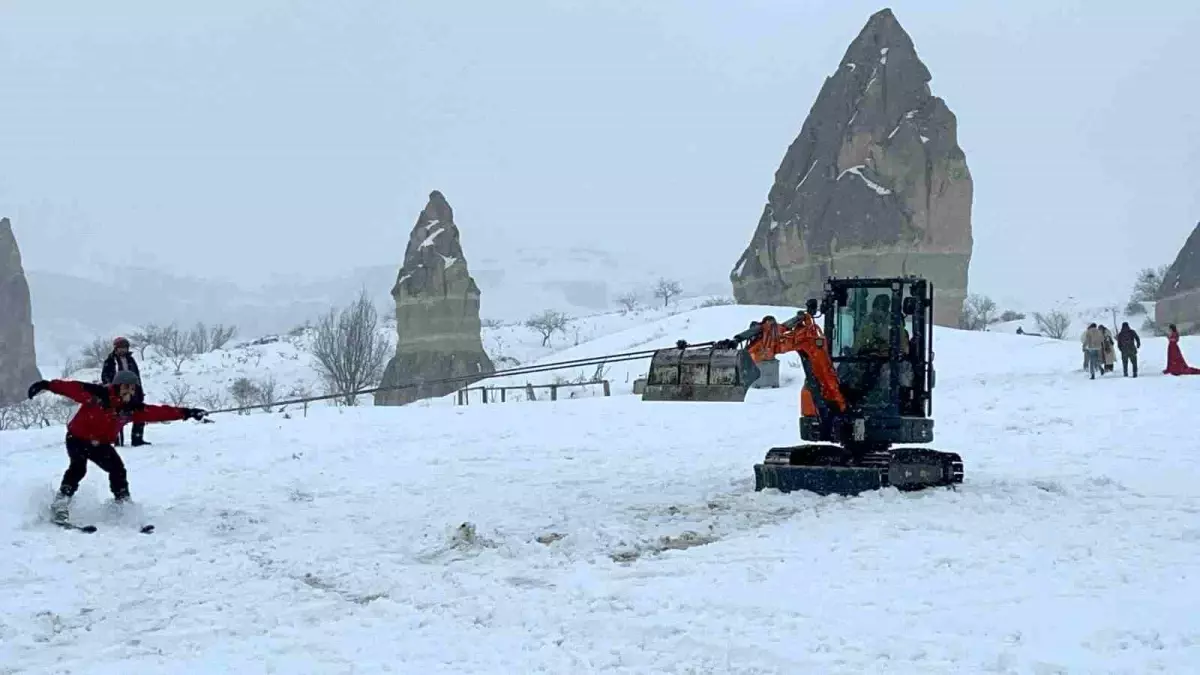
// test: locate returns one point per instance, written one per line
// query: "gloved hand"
(727, 344)
(38, 387)
(194, 413)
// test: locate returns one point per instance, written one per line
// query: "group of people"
(1100, 350)
(98, 425)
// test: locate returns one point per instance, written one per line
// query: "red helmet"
(120, 342)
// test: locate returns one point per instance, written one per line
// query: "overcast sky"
(241, 139)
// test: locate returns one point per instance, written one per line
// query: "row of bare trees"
(663, 289)
(171, 343)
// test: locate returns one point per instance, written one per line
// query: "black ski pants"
(1126, 359)
(104, 456)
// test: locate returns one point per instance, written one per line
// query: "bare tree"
(93, 355)
(145, 337)
(491, 323)
(179, 393)
(1053, 324)
(977, 313)
(244, 392)
(719, 301)
(37, 413)
(548, 323)
(221, 335)
(268, 392)
(349, 349)
(667, 289)
(628, 301)
(198, 336)
(68, 369)
(1148, 283)
(212, 400)
(176, 346)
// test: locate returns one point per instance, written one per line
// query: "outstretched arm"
(80, 392)
(166, 413)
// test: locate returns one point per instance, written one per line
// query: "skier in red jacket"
(104, 411)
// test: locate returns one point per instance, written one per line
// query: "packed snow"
(802, 180)
(857, 171)
(432, 237)
(613, 535)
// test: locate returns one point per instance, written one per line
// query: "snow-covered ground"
(613, 535)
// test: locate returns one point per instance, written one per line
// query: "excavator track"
(831, 469)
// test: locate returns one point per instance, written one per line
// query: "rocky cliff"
(437, 312)
(874, 185)
(1179, 296)
(18, 361)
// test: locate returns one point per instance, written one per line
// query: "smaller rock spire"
(18, 358)
(437, 311)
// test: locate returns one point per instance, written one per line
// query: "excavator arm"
(768, 338)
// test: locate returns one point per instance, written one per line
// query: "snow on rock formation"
(874, 185)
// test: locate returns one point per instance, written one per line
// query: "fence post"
(503, 394)
(306, 408)
(484, 390)
(607, 391)
(554, 392)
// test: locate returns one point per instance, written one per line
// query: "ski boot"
(60, 511)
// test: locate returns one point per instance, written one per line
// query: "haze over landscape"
(242, 143)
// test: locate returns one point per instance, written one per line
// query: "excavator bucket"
(708, 373)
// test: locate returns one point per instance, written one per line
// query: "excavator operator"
(873, 339)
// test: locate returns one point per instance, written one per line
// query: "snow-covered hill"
(285, 363)
(614, 535)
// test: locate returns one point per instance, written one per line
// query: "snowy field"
(612, 535)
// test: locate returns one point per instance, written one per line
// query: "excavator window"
(863, 323)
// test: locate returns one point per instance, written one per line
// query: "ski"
(72, 526)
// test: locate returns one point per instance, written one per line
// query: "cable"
(520, 370)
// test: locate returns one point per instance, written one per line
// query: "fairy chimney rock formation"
(874, 185)
(18, 361)
(437, 312)
(1179, 296)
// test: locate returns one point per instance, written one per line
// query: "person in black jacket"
(119, 360)
(1128, 342)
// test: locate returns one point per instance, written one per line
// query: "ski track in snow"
(330, 544)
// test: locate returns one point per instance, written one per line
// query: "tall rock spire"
(437, 312)
(18, 360)
(874, 185)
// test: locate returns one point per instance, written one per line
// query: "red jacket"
(102, 414)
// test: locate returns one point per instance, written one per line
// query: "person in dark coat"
(1128, 343)
(91, 433)
(120, 360)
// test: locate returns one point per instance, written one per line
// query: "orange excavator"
(869, 380)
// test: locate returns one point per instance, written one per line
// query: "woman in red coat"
(103, 413)
(1176, 365)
